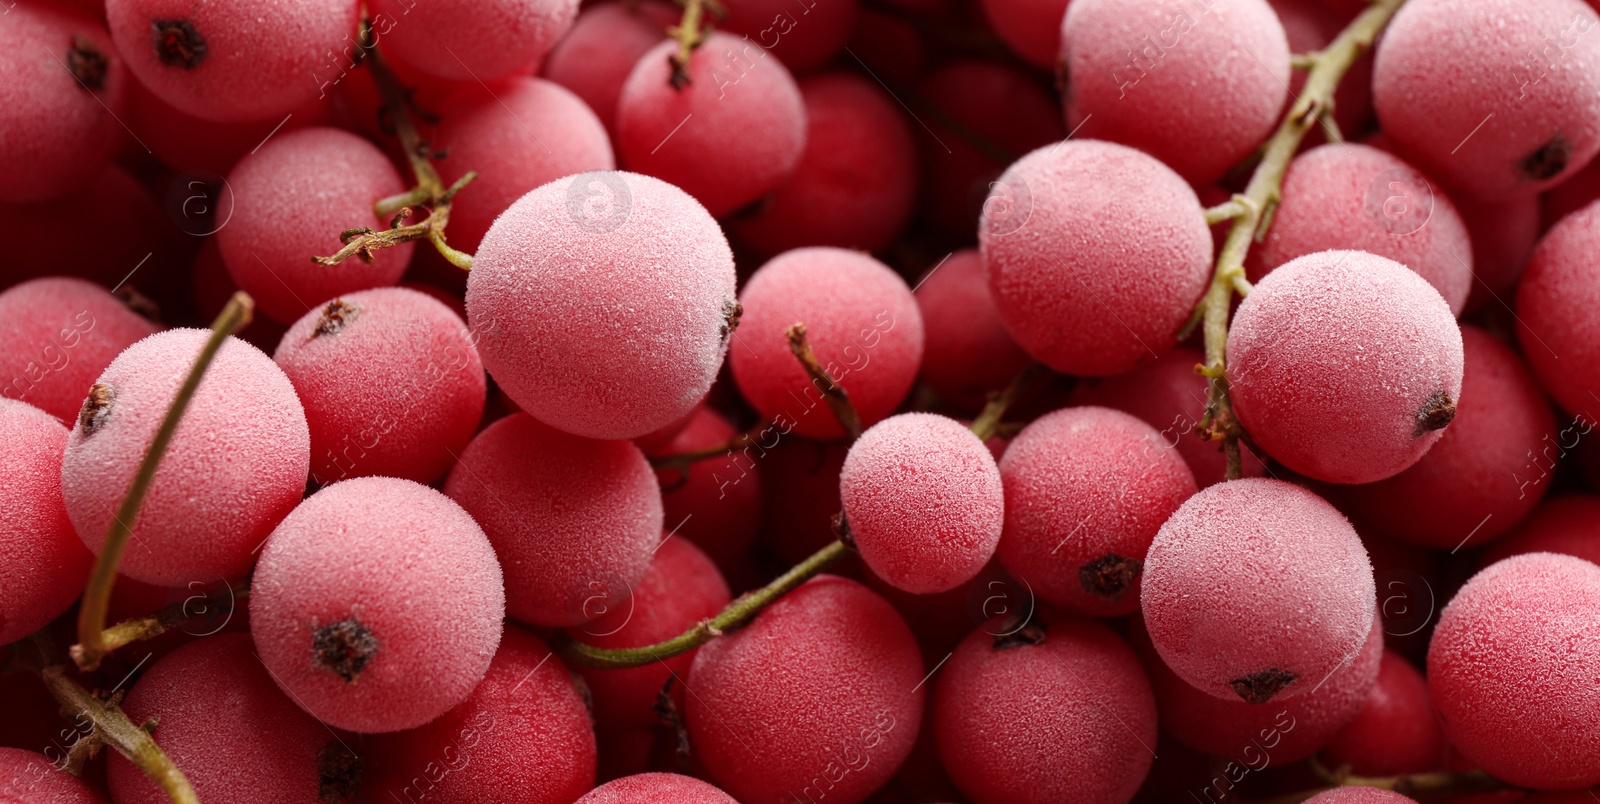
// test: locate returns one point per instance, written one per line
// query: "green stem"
(97, 596)
(736, 614)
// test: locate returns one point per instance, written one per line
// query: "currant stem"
(97, 596)
(832, 392)
(429, 191)
(110, 724)
(1251, 211)
(153, 625)
(690, 33)
(736, 614)
(988, 421)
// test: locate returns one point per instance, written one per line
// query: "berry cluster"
(813, 402)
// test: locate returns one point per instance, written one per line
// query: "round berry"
(1397, 731)
(43, 564)
(715, 503)
(1556, 321)
(290, 201)
(237, 463)
(1097, 255)
(391, 384)
(575, 332)
(1513, 661)
(59, 103)
(922, 501)
(1345, 366)
(1147, 75)
(832, 655)
(1257, 589)
(1353, 196)
(1076, 698)
(213, 700)
(607, 40)
(376, 591)
(58, 334)
(573, 520)
(734, 133)
(861, 322)
(35, 779)
(471, 40)
(522, 737)
(236, 62)
(1512, 120)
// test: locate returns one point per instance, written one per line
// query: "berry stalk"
(429, 191)
(111, 725)
(92, 643)
(1251, 211)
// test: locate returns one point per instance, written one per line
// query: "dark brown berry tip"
(1548, 160)
(96, 408)
(88, 63)
(1109, 576)
(732, 311)
(1020, 630)
(338, 772)
(177, 43)
(1435, 414)
(1258, 688)
(344, 647)
(336, 316)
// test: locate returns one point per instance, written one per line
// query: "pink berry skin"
(732, 135)
(1512, 664)
(1031, 28)
(861, 321)
(649, 788)
(1568, 525)
(571, 327)
(1353, 196)
(486, 132)
(832, 655)
(923, 500)
(1143, 76)
(856, 181)
(1545, 106)
(43, 564)
(32, 778)
(235, 63)
(594, 59)
(289, 201)
(377, 590)
(65, 85)
(391, 384)
(1086, 490)
(1397, 731)
(1071, 718)
(715, 503)
(1360, 795)
(472, 40)
(1556, 321)
(1257, 589)
(573, 520)
(522, 737)
(1480, 479)
(213, 700)
(1325, 330)
(1169, 395)
(968, 353)
(1101, 236)
(681, 588)
(1286, 730)
(237, 463)
(58, 334)
(804, 36)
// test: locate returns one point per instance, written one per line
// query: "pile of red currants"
(800, 401)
